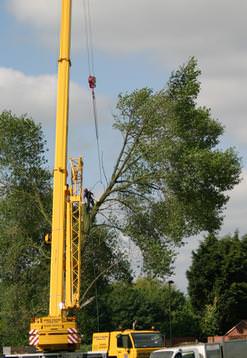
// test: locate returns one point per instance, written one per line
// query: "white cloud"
(236, 213)
(168, 27)
(226, 96)
(183, 262)
(39, 13)
(166, 32)
(36, 96)
(27, 94)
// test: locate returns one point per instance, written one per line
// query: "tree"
(147, 302)
(25, 193)
(169, 182)
(209, 321)
(25, 211)
(170, 178)
(217, 282)
(102, 263)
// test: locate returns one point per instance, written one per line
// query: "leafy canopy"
(25, 212)
(147, 301)
(217, 282)
(170, 178)
(25, 194)
(169, 182)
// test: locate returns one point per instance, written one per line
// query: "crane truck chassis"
(133, 344)
(127, 343)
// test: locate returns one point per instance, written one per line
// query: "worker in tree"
(89, 199)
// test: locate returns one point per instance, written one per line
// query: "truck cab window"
(188, 355)
(144, 340)
(123, 341)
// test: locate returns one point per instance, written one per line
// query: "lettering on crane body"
(50, 321)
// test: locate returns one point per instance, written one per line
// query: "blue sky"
(136, 43)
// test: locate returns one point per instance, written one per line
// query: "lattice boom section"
(76, 176)
(76, 249)
(76, 218)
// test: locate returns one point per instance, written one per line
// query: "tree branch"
(95, 280)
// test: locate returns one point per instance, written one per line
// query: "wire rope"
(96, 287)
(97, 134)
(90, 32)
(92, 78)
(86, 29)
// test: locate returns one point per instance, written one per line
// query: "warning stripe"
(33, 331)
(72, 330)
(33, 337)
(73, 338)
(34, 340)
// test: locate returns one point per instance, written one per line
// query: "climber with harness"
(89, 199)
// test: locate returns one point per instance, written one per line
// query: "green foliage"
(102, 263)
(147, 302)
(24, 197)
(25, 211)
(170, 179)
(217, 282)
(169, 182)
(209, 322)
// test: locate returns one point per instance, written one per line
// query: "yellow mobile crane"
(58, 331)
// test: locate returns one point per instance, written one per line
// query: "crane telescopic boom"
(58, 330)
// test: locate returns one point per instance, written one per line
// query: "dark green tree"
(217, 282)
(170, 178)
(25, 193)
(169, 182)
(147, 302)
(25, 211)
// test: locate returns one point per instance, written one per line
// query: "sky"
(136, 43)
